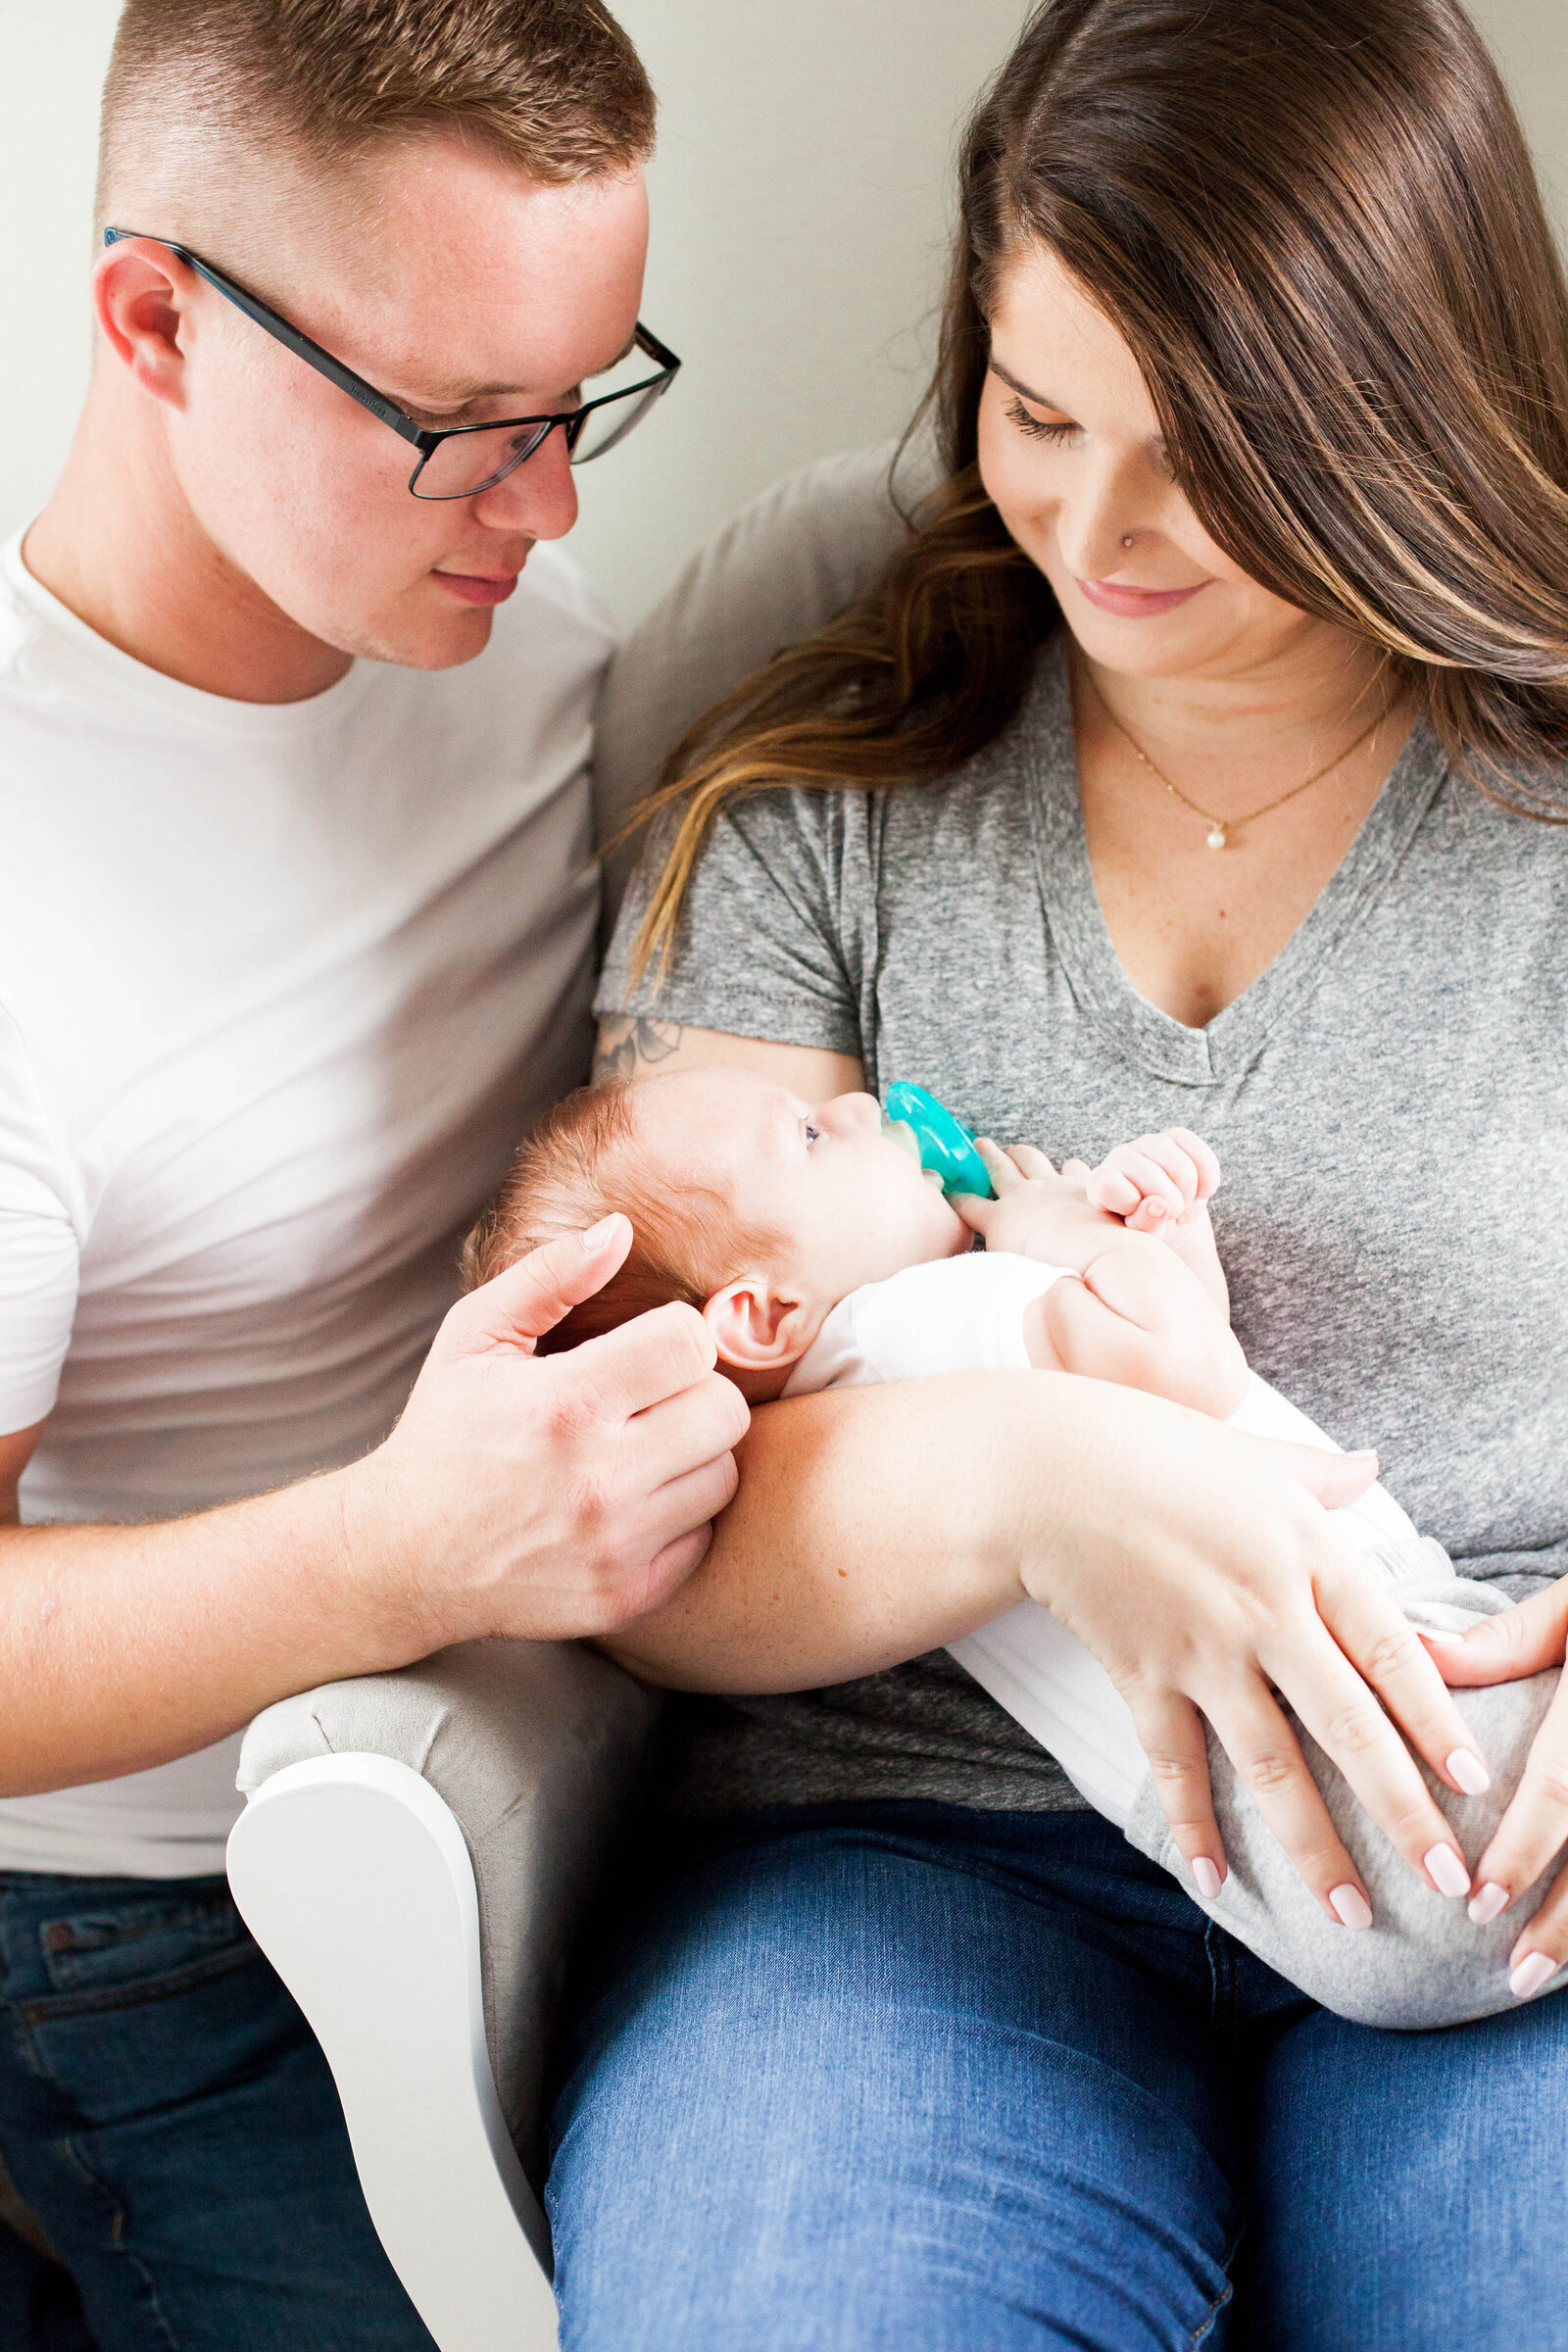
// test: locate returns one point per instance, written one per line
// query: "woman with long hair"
(1199, 761)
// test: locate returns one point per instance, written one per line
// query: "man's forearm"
(872, 1525)
(124, 1647)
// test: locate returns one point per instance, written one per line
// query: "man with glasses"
(296, 927)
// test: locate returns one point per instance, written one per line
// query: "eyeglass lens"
(470, 463)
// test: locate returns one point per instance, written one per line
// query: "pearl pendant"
(1216, 838)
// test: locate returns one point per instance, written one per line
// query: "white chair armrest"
(415, 1859)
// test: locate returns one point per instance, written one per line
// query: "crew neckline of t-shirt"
(172, 695)
(1152, 1037)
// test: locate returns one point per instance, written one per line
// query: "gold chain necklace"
(1220, 828)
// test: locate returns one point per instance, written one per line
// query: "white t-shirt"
(280, 986)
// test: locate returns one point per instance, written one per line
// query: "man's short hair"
(554, 86)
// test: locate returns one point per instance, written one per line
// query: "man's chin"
(442, 640)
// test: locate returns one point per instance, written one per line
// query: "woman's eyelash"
(1036, 429)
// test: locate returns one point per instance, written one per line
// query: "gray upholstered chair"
(418, 1848)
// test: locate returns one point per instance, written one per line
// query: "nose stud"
(1127, 538)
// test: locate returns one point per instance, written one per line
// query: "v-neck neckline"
(1163, 1045)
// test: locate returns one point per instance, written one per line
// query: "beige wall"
(800, 194)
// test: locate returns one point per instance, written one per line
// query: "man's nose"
(539, 501)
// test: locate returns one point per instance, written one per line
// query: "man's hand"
(548, 1497)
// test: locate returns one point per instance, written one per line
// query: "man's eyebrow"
(459, 396)
(1040, 399)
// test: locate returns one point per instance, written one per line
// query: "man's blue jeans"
(908, 2078)
(168, 2118)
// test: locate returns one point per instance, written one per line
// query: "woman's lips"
(1137, 604)
(475, 589)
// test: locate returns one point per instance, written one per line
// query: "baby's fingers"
(1004, 1173)
(976, 1213)
(1133, 1175)
(1202, 1157)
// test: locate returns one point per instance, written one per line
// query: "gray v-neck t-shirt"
(1389, 1101)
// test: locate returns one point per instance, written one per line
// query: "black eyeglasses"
(457, 460)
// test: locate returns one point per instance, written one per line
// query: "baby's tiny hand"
(1036, 1212)
(1153, 1185)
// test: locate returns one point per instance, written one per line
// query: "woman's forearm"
(872, 1525)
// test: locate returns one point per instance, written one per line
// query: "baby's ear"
(754, 1326)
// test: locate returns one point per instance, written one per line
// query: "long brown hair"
(1317, 226)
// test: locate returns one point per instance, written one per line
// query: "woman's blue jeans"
(168, 2118)
(911, 2078)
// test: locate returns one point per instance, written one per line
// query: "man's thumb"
(530, 1297)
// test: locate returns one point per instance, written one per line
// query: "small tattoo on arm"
(628, 1044)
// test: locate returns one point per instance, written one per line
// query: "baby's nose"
(860, 1110)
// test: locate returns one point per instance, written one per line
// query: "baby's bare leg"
(1422, 1963)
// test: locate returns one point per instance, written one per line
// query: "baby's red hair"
(581, 1164)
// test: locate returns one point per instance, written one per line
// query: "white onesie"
(966, 1314)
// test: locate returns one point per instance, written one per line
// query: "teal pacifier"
(946, 1148)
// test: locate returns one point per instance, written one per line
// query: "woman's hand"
(1523, 1641)
(1223, 1591)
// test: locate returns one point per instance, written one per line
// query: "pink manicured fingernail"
(1206, 1878)
(1349, 1906)
(1530, 1973)
(1443, 1641)
(1490, 1904)
(1446, 1872)
(1469, 1771)
(598, 1235)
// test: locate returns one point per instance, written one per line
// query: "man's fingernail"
(1206, 1878)
(1469, 1771)
(598, 1235)
(1530, 1973)
(1489, 1905)
(1446, 1872)
(1349, 1906)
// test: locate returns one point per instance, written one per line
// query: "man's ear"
(140, 290)
(755, 1327)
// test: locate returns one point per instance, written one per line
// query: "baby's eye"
(812, 1134)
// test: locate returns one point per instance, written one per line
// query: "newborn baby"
(821, 1253)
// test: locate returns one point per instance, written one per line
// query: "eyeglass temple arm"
(290, 337)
